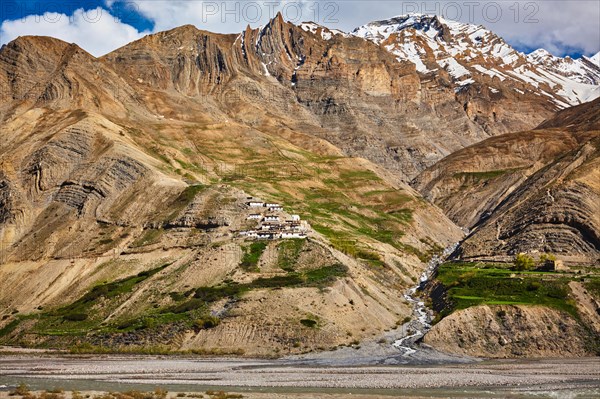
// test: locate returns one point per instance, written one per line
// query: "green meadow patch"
(252, 254)
(469, 285)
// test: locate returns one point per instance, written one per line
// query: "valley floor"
(302, 379)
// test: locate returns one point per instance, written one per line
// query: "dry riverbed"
(276, 379)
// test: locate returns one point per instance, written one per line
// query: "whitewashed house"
(293, 234)
(271, 218)
(256, 204)
(265, 235)
(254, 216)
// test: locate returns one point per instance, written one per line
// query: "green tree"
(524, 262)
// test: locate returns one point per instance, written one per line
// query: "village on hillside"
(273, 223)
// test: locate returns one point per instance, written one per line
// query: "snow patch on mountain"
(326, 33)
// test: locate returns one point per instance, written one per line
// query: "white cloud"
(220, 16)
(96, 31)
(559, 26)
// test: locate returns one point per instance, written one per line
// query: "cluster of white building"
(272, 226)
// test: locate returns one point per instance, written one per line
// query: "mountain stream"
(420, 323)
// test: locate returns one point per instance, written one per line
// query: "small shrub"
(51, 395)
(177, 296)
(160, 393)
(368, 255)
(21, 390)
(206, 322)
(75, 316)
(192, 304)
(127, 324)
(308, 323)
(546, 257)
(524, 262)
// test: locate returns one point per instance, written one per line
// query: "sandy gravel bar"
(540, 376)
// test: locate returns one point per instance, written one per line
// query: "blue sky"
(100, 26)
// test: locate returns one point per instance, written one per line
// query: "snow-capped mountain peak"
(582, 70)
(595, 59)
(379, 31)
(540, 54)
(471, 53)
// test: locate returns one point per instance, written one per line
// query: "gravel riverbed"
(578, 377)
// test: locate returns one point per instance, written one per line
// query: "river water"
(420, 323)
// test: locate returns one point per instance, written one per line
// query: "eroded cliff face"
(470, 184)
(533, 191)
(554, 211)
(511, 331)
(344, 89)
(46, 72)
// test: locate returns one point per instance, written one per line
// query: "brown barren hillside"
(533, 191)
(122, 203)
(125, 184)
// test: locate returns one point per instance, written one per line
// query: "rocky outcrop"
(511, 331)
(470, 184)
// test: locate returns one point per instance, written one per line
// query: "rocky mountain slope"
(122, 198)
(125, 182)
(42, 71)
(533, 191)
(354, 94)
(582, 70)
